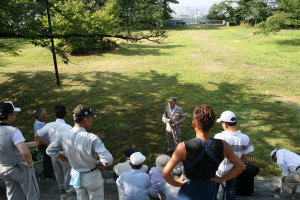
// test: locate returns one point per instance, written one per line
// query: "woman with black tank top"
(201, 157)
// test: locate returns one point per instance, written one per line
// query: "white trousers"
(62, 172)
(92, 186)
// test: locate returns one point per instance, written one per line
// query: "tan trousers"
(92, 186)
(173, 137)
(289, 187)
(62, 171)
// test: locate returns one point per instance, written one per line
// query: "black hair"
(60, 111)
(231, 123)
(136, 166)
(78, 120)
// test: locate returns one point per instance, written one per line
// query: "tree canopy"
(83, 25)
(268, 15)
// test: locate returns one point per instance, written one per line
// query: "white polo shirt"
(240, 143)
(54, 128)
(287, 160)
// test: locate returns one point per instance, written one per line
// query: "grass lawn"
(229, 68)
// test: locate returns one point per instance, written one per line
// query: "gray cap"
(161, 162)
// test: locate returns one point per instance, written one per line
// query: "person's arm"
(237, 168)
(178, 155)
(22, 147)
(41, 139)
(53, 150)
(182, 117)
(281, 164)
(165, 119)
(248, 149)
(244, 158)
(105, 156)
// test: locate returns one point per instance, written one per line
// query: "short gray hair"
(38, 112)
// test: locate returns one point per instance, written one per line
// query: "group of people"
(201, 168)
(75, 154)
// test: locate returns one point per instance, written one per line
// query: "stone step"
(49, 190)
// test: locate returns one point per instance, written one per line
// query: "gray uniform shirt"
(81, 148)
(9, 154)
(175, 116)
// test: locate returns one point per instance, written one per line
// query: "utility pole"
(52, 44)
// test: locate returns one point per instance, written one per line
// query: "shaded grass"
(128, 87)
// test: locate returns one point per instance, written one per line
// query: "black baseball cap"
(6, 108)
(81, 112)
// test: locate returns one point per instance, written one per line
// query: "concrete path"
(50, 191)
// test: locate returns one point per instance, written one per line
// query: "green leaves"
(82, 25)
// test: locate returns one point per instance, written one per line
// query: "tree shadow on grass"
(294, 42)
(130, 108)
(194, 27)
(144, 49)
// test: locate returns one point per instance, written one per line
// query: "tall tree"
(287, 14)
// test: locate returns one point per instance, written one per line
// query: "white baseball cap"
(272, 152)
(137, 158)
(227, 116)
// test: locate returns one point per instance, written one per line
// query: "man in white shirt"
(241, 146)
(54, 129)
(86, 153)
(125, 166)
(134, 184)
(15, 158)
(173, 117)
(289, 163)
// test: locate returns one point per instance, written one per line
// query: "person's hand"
(172, 125)
(277, 189)
(101, 166)
(177, 123)
(283, 178)
(36, 136)
(217, 179)
(63, 158)
(181, 181)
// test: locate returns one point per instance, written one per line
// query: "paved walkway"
(50, 191)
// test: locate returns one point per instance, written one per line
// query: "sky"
(196, 3)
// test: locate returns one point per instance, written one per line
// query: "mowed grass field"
(229, 68)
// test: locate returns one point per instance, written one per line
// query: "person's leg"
(220, 191)
(47, 164)
(14, 190)
(176, 136)
(170, 141)
(94, 184)
(24, 183)
(230, 189)
(67, 176)
(59, 173)
(82, 193)
(289, 186)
